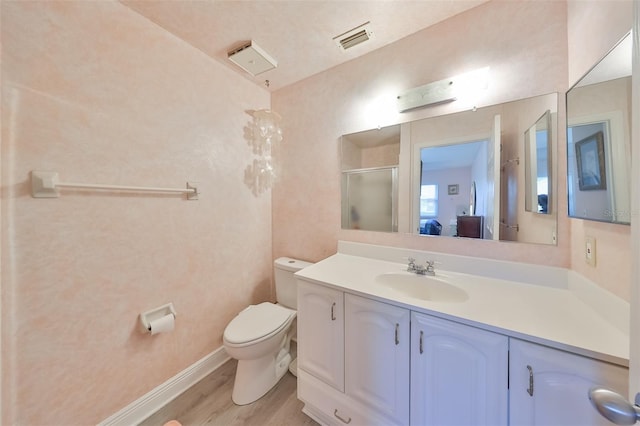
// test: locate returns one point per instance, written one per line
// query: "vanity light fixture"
(252, 58)
(435, 93)
(465, 87)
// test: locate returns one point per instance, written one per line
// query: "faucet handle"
(411, 266)
(429, 269)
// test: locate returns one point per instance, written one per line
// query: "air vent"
(354, 37)
(251, 58)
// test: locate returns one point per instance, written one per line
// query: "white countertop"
(551, 315)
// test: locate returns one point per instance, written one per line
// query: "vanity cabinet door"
(321, 333)
(549, 387)
(458, 374)
(377, 357)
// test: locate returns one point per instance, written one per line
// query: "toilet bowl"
(259, 337)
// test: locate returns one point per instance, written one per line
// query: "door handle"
(333, 313)
(615, 407)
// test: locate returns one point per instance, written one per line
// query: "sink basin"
(423, 287)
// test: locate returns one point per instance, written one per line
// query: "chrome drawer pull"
(530, 390)
(397, 338)
(333, 315)
(335, 413)
(421, 337)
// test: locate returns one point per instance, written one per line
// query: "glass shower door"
(371, 199)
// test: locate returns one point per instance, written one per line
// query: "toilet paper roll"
(163, 324)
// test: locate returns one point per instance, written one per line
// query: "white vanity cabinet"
(321, 333)
(362, 361)
(549, 387)
(377, 357)
(338, 332)
(459, 374)
(400, 367)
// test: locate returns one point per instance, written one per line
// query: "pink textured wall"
(361, 94)
(98, 93)
(594, 28)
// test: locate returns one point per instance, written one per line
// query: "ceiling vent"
(251, 58)
(354, 37)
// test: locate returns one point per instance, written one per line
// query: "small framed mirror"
(598, 139)
(537, 166)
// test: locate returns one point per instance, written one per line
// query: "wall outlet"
(590, 250)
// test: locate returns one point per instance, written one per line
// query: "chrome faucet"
(420, 269)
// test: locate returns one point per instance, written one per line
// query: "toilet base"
(293, 367)
(256, 377)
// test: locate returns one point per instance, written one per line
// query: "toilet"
(259, 336)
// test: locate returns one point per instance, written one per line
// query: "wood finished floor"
(209, 403)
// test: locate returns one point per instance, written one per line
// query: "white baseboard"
(148, 404)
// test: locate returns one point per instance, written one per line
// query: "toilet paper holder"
(154, 314)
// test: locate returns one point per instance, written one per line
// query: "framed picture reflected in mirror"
(591, 163)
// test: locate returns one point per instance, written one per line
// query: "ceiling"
(297, 33)
(450, 156)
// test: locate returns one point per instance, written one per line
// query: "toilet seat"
(257, 322)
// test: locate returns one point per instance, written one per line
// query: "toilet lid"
(257, 321)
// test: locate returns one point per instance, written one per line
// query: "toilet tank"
(286, 289)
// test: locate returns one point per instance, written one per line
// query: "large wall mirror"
(459, 175)
(598, 139)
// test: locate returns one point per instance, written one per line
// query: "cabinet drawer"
(331, 406)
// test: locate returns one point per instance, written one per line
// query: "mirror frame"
(472, 199)
(531, 196)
